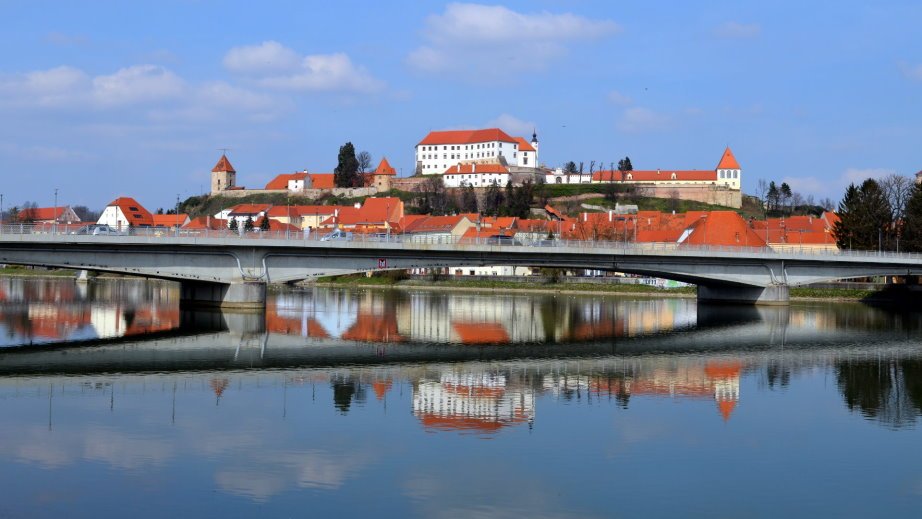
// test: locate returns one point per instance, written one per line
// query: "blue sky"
(109, 98)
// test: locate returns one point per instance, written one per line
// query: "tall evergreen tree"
(786, 195)
(911, 236)
(773, 196)
(864, 218)
(468, 199)
(493, 200)
(346, 173)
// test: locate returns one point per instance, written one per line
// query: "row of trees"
(351, 168)
(781, 200)
(572, 168)
(883, 214)
(432, 198)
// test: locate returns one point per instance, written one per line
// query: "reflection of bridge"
(230, 271)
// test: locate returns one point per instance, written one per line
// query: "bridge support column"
(248, 295)
(731, 294)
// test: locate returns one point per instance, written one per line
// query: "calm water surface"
(402, 403)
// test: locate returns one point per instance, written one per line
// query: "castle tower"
(223, 176)
(728, 170)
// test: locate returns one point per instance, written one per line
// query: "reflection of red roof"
(466, 136)
(374, 328)
(481, 333)
(459, 423)
(381, 387)
(218, 385)
(726, 408)
(723, 370)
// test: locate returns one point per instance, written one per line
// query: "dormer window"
(673, 177)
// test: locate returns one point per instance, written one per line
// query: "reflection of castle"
(478, 402)
(53, 310)
(719, 380)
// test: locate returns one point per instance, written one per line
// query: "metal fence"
(71, 233)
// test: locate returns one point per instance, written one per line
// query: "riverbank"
(797, 294)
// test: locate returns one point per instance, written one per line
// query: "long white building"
(441, 150)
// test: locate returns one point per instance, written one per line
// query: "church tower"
(223, 176)
(534, 144)
(728, 170)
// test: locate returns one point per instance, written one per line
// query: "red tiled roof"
(728, 161)
(133, 211)
(281, 181)
(223, 165)
(722, 228)
(169, 220)
(249, 209)
(42, 213)
(322, 180)
(466, 136)
(384, 168)
(523, 144)
(655, 175)
(476, 168)
(206, 222)
(434, 224)
(275, 225)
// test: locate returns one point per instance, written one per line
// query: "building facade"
(223, 176)
(441, 150)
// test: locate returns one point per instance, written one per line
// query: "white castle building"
(441, 150)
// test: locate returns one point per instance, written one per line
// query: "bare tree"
(827, 204)
(591, 166)
(898, 190)
(364, 159)
(762, 192)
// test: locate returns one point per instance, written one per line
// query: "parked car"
(98, 230)
(337, 235)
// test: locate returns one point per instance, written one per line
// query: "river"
(340, 402)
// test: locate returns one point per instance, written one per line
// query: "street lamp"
(1, 213)
(54, 225)
(176, 216)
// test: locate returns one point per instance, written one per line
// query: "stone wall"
(706, 194)
(348, 192)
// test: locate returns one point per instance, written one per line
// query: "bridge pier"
(734, 294)
(246, 295)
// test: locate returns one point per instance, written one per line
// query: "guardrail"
(63, 232)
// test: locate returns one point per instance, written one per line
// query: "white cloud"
(138, 83)
(66, 40)
(619, 99)
(736, 30)
(481, 37)
(642, 120)
(913, 72)
(46, 88)
(512, 125)
(273, 65)
(267, 56)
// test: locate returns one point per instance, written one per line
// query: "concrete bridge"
(229, 270)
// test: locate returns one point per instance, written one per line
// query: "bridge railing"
(81, 232)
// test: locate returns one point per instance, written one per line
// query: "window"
(673, 176)
(630, 176)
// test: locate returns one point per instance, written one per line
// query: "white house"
(476, 175)
(124, 212)
(241, 212)
(441, 150)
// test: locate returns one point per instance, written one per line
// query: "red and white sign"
(382, 263)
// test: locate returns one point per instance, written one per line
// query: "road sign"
(382, 263)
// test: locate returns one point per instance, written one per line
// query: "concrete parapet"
(734, 294)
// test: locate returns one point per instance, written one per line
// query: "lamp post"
(176, 219)
(54, 226)
(288, 210)
(1, 213)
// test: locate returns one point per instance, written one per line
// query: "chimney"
(473, 167)
(358, 205)
(609, 215)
